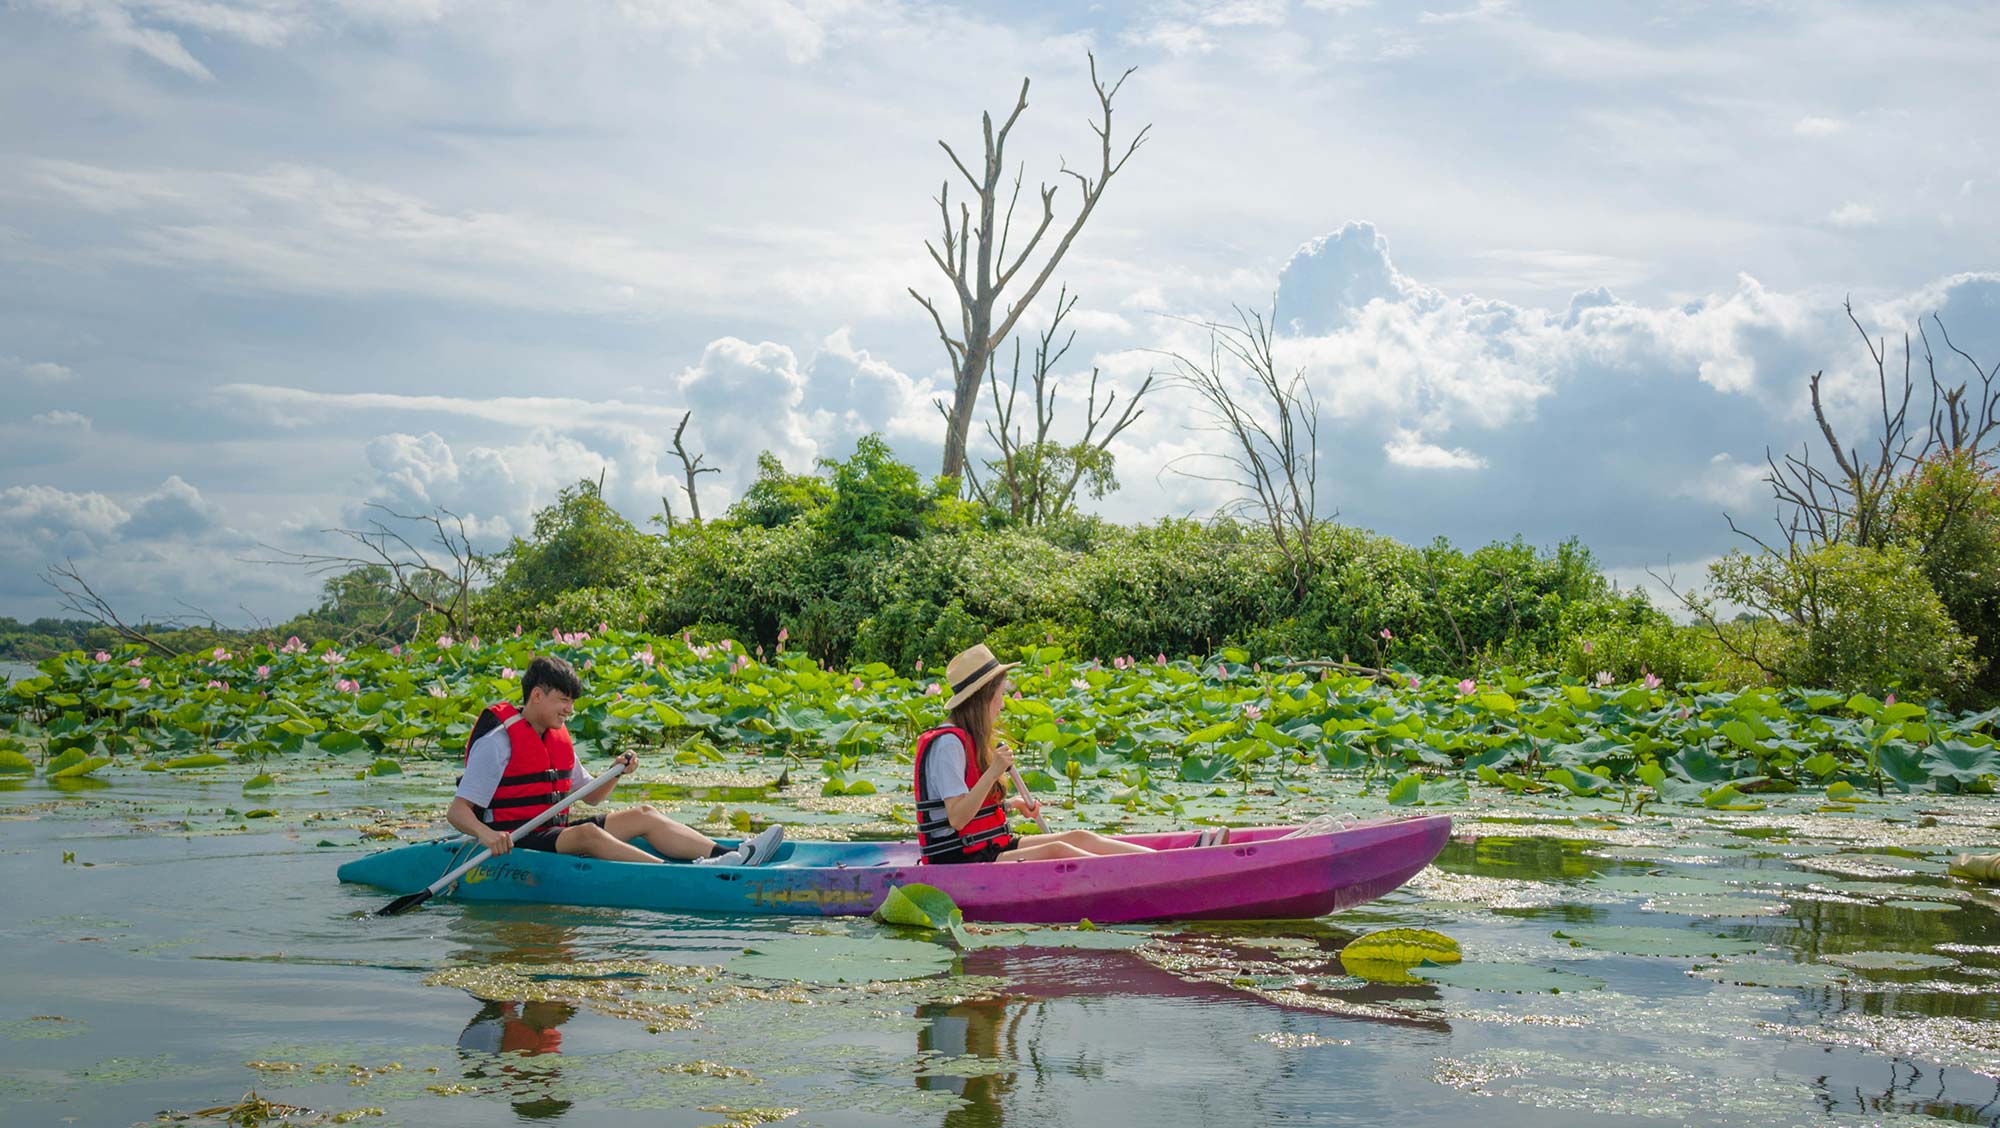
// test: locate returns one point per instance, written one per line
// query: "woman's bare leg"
(1089, 843)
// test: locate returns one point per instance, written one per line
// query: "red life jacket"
(987, 830)
(538, 772)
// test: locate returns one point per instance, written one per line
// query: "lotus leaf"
(80, 768)
(841, 959)
(1642, 940)
(1977, 867)
(201, 760)
(1517, 979)
(1405, 946)
(918, 906)
(1891, 961)
(13, 763)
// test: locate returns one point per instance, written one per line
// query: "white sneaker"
(755, 851)
(1213, 836)
(761, 850)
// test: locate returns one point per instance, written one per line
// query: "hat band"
(959, 685)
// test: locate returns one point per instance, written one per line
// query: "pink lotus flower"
(604, 628)
(263, 673)
(474, 644)
(103, 656)
(396, 651)
(856, 686)
(646, 657)
(1466, 687)
(1251, 712)
(1686, 713)
(1256, 668)
(292, 646)
(1416, 682)
(347, 685)
(1160, 659)
(1017, 695)
(920, 665)
(1603, 678)
(760, 650)
(590, 663)
(1889, 700)
(933, 690)
(221, 655)
(145, 683)
(1587, 647)
(1079, 683)
(136, 663)
(1222, 671)
(509, 673)
(557, 633)
(333, 658)
(1118, 663)
(784, 635)
(517, 631)
(217, 685)
(444, 642)
(1386, 636)
(1652, 681)
(437, 691)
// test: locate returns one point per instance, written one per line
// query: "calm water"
(184, 956)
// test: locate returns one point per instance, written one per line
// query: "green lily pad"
(841, 959)
(1517, 979)
(1772, 973)
(1922, 906)
(199, 760)
(13, 763)
(918, 906)
(258, 782)
(1717, 905)
(1643, 940)
(1403, 946)
(1055, 938)
(78, 769)
(1891, 961)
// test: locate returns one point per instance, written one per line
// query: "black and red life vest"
(986, 830)
(539, 767)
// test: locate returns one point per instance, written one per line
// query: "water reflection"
(510, 1047)
(988, 1029)
(514, 1047)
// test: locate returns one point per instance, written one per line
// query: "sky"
(1551, 269)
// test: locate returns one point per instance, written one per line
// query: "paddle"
(1021, 789)
(410, 901)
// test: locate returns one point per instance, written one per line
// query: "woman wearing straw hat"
(961, 775)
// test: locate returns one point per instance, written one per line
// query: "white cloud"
(1818, 126)
(1852, 215)
(1736, 487)
(38, 372)
(175, 509)
(1409, 449)
(63, 420)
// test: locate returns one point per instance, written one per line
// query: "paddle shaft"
(1021, 789)
(514, 835)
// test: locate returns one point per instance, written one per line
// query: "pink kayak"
(1259, 875)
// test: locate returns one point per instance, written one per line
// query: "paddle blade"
(404, 904)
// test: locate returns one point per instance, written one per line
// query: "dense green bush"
(1865, 619)
(1948, 514)
(579, 543)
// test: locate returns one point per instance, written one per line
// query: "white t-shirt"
(944, 767)
(486, 763)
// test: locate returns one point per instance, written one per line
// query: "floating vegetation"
(1640, 940)
(1517, 979)
(1890, 961)
(1287, 1040)
(41, 1027)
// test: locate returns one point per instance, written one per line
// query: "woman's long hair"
(972, 716)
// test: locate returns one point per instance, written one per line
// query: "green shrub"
(1866, 619)
(1948, 514)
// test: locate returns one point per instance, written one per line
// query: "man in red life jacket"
(519, 762)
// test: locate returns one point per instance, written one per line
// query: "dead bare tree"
(78, 597)
(973, 255)
(1037, 479)
(692, 466)
(1853, 501)
(438, 580)
(1272, 434)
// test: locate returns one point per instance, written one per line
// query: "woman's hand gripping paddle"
(1021, 789)
(410, 901)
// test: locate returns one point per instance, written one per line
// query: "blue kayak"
(1260, 874)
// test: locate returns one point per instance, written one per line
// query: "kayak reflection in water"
(498, 1048)
(961, 775)
(983, 1029)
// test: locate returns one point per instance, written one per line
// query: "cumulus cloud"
(36, 371)
(62, 420)
(1851, 214)
(176, 509)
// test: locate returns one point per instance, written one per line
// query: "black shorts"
(960, 857)
(544, 837)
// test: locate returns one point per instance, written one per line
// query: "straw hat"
(970, 670)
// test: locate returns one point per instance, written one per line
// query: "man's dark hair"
(550, 673)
